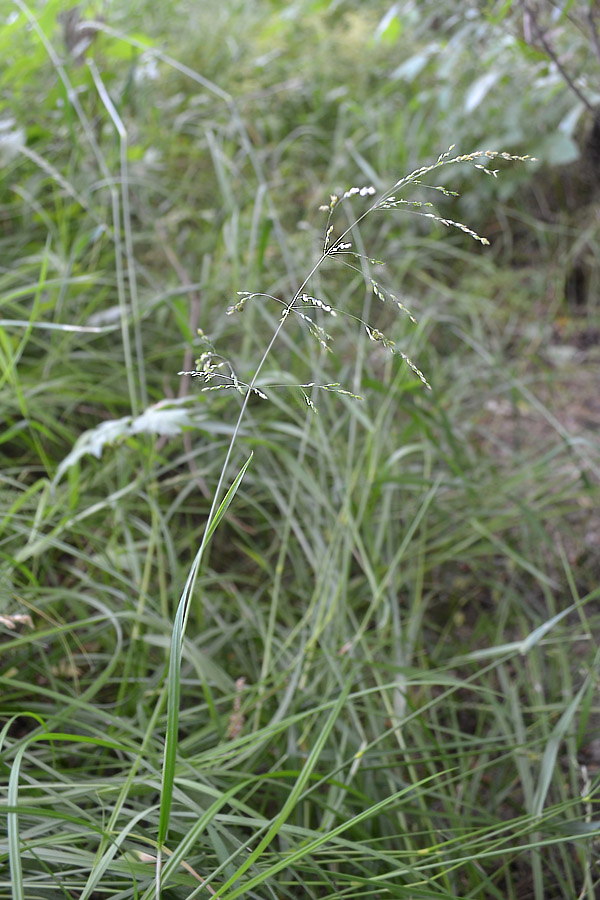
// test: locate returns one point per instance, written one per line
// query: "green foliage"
(364, 662)
(515, 74)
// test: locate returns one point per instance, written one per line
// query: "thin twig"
(539, 34)
(594, 31)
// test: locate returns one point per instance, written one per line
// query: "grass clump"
(317, 646)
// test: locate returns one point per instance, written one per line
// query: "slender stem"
(553, 56)
(132, 282)
(195, 568)
(594, 30)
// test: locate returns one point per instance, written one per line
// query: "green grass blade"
(294, 795)
(174, 671)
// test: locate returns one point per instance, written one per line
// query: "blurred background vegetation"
(402, 603)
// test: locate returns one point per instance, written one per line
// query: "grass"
(379, 677)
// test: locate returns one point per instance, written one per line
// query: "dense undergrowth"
(388, 682)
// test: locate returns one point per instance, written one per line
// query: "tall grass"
(273, 652)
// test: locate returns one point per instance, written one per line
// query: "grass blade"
(174, 670)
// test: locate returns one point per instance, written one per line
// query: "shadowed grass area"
(379, 678)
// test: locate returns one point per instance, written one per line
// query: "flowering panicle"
(244, 297)
(327, 237)
(380, 338)
(450, 222)
(341, 247)
(314, 301)
(366, 191)
(393, 203)
(210, 367)
(333, 388)
(315, 330)
(239, 306)
(379, 292)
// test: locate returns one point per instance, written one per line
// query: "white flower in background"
(146, 70)
(12, 139)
